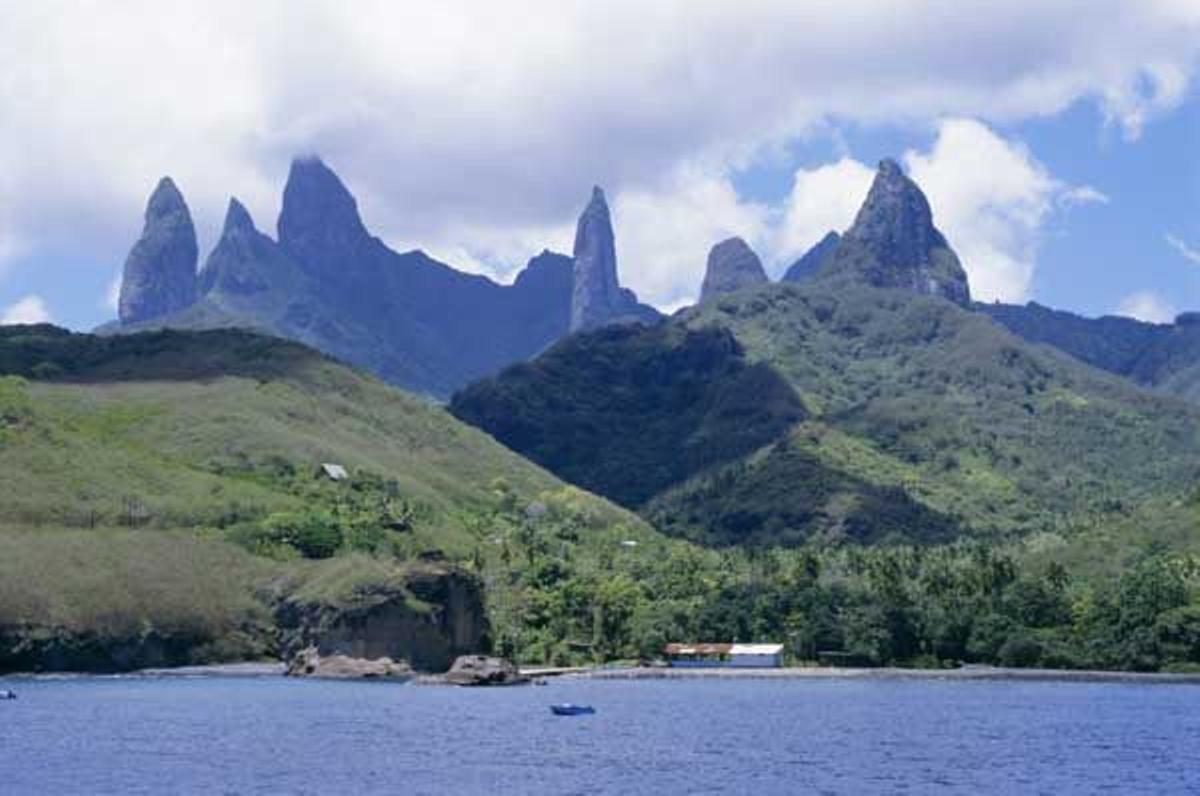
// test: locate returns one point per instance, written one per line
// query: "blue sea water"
(213, 735)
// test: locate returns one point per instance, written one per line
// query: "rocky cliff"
(894, 244)
(732, 265)
(160, 271)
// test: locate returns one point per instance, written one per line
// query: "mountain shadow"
(628, 411)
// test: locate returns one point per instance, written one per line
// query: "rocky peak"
(893, 242)
(597, 296)
(813, 260)
(732, 265)
(160, 272)
(237, 219)
(236, 263)
(319, 222)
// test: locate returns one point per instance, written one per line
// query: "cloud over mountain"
(472, 129)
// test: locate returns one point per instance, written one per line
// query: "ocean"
(271, 735)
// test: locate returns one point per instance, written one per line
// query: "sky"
(1056, 139)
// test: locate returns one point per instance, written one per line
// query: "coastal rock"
(813, 260)
(894, 244)
(160, 272)
(310, 663)
(385, 621)
(732, 265)
(481, 670)
(597, 297)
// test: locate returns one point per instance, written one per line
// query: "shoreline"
(261, 669)
(966, 673)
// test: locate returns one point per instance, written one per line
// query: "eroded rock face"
(160, 271)
(385, 624)
(894, 244)
(597, 297)
(732, 265)
(597, 293)
(310, 663)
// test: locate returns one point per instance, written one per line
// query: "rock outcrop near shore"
(428, 620)
(310, 663)
(483, 670)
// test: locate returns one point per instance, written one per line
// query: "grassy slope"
(183, 434)
(136, 424)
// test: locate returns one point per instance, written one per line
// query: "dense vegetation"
(627, 411)
(565, 593)
(1165, 357)
(910, 401)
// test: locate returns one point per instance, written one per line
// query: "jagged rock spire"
(319, 221)
(240, 263)
(597, 295)
(237, 218)
(160, 271)
(732, 265)
(893, 242)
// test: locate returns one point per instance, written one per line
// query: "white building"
(746, 656)
(759, 656)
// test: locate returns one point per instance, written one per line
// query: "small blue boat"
(6, 694)
(568, 709)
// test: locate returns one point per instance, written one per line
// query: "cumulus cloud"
(989, 196)
(1190, 253)
(31, 309)
(822, 199)
(1146, 305)
(459, 123)
(664, 232)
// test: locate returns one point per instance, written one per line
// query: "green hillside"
(912, 403)
(164, 509)
(167, 483)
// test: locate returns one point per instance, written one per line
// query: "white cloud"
(822, 199)
(664, 233)
(31, 309)
(457, 124)
(1147, 306)
(1082, 195)
(1189, 253)
(990, 197)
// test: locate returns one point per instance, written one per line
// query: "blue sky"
(1057, 146)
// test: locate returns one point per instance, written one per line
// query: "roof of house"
(723, 649)
(697, 649)
(335, 471)
(756, 649)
